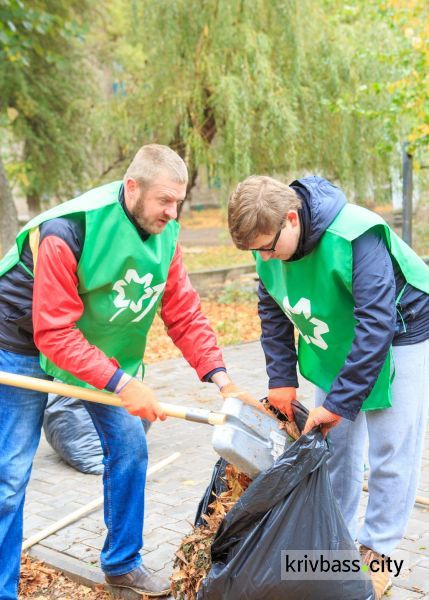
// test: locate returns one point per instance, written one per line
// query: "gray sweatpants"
(395, 444)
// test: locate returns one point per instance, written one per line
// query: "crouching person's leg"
(21, 418)
(125, 460)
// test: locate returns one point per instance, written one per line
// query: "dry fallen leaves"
(233, 323)
(39, 582)
(193, 558)
(291, 428)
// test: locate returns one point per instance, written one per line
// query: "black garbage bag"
(71, 433)
(216, 486)
(288, 511)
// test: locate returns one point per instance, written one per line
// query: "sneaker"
(381, 581)
(141, 581)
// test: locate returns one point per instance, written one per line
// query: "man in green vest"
(358, 297)
(78, 293)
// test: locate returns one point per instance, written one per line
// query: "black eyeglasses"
(273, 245)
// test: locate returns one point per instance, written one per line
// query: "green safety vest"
(121, 279)
(315, 292)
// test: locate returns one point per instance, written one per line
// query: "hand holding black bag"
(289, 507)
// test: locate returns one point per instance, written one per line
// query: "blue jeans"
(125, 462)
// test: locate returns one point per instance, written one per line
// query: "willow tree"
(391, 39)
(45, 96)
(408, 88)
(241, 87)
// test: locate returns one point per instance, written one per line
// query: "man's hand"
(139, 400)
(281, 398)
(321, 416)
(230, 390)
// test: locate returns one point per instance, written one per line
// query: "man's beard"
(138, 214)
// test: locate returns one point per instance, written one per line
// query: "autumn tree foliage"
(242, 87)
(45, 95)
(285, 87)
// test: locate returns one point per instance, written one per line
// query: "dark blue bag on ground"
(288, 507)
(71, 433)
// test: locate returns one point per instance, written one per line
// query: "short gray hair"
(259, 206)
(153, 160)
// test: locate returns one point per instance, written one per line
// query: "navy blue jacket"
(377, 283)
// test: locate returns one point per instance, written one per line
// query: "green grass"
(233, 294)
(214, 257)
(421, 238)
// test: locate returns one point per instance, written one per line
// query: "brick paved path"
(173, 494)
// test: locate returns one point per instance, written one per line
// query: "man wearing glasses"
(358, 297)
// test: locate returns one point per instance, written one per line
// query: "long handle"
(88, 508)
(198, 415)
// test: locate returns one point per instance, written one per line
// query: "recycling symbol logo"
(132, 292)
(310, 328)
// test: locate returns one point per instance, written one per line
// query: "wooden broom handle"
(198, 415)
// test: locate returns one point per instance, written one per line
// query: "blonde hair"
(259, 205)
(153, 160)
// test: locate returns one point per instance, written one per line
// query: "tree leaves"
(39, 582)
(45, 81)
(193, 560)
(252, 86)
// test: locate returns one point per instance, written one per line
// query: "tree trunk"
(33, 203)
(207, 131)
(193, 174)
(8, 213)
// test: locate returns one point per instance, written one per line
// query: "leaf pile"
(193, 558)
(39, 582)
(291, 428)
(35, 576)
(233, 323)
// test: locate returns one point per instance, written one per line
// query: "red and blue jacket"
(40, 314)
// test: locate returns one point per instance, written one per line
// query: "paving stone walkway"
(173, 494)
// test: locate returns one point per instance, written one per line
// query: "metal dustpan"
(243, 435)
(249, 439)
